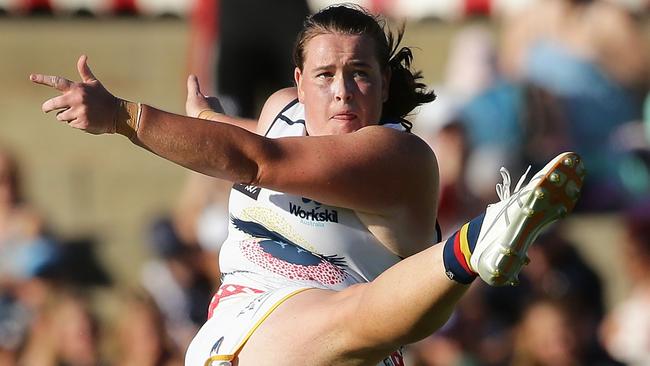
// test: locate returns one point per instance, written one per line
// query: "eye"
(360, 74)
(324, 75)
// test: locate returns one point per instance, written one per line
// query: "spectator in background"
(24, 247)
(546, 337)
(25, 252)
(438, 350)
(177, 285)
(65, 333)
(76, 332)
(141, 336)
(470, 70)
(558, 273)
(590, 56)
(626, 330)
(201, 217)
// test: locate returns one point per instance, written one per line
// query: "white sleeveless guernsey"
(277, 239)
(277, 246)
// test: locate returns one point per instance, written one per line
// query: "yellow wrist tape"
(207, 114)
(127, 118)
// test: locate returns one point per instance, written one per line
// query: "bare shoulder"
(399, 143)
(274, 105)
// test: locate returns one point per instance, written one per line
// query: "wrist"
(207, 114)
(127, 118)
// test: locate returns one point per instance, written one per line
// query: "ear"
(297, 76)
(385, 87)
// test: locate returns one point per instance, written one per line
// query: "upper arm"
(273, 106)
(374, 170)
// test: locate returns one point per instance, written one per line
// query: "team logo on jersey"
(215, 348)
(278, 254)
(251, 191)
(315, 213)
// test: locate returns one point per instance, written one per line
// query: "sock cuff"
(458, 251)
(456, 267)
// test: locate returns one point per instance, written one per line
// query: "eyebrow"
(355, 63)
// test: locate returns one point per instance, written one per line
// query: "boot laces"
(503, 189)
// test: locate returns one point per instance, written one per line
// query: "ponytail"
(405, 91)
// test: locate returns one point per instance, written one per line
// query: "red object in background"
(38, 5)
(205, 18)
(477, 7)
(124, 7)
(378, 6)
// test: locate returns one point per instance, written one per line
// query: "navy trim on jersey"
(438, 232)
(247, 189)
(286, 108)
(290, 122)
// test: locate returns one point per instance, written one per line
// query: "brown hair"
(405, 90)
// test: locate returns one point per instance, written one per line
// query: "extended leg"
(364, 323)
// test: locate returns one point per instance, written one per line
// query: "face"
(341, 84)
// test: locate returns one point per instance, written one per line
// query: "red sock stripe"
(459, 255)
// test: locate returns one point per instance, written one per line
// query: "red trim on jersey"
(229, 290)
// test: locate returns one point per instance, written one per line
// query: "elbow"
(260, 163)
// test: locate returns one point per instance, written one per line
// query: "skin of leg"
(362, 324)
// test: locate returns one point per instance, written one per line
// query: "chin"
(348, 127)
(345, 129)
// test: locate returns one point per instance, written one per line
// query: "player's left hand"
(197, 102)
(85, 105)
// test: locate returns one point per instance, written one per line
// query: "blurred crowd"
(558, 75)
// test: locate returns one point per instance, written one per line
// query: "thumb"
(84, 70)
(193, 87)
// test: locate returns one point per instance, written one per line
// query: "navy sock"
(458, 251)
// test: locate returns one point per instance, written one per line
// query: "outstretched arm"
(347, 170)
(211, 148)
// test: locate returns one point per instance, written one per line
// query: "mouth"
(345, 116)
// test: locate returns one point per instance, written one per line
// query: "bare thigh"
(310, 328)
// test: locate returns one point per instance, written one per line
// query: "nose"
(342, 89)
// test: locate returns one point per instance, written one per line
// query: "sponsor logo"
(317, 213)
(251, 191)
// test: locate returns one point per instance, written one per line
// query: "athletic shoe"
(511, 225)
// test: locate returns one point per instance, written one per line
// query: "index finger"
(56, 82)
